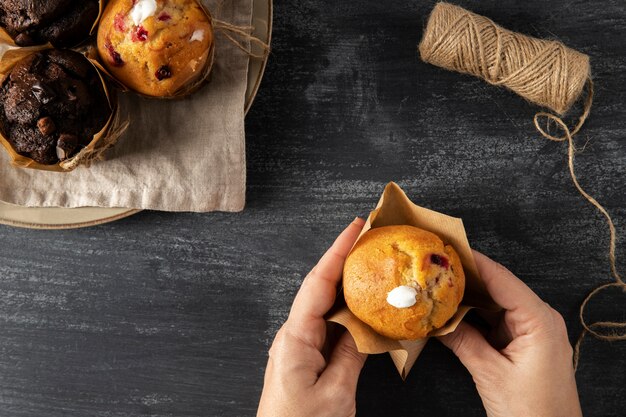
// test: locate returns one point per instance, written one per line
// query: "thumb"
(345, 364)
(470, 346)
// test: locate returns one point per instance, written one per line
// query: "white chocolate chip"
(402, 296)
(198, 35)
(142, 10)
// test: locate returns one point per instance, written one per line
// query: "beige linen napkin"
(181, 155)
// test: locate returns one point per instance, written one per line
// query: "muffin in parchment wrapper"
(107, 136)
(394, 208)
(61, 23)
(157, 50)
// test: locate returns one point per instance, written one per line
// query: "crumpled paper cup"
(10, 55)
(5, 35)
(394, 208)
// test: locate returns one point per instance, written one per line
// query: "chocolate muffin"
(63, 23)
(51, 105)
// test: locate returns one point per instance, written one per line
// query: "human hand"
(523, 367)
(300, 380)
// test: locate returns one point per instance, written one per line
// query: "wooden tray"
(70, 218)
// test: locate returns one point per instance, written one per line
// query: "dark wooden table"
(171, 314)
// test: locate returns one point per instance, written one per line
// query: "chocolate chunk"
(66, 145)
(46, 126)
(43, 93)
(76, 90)
(71, 93)
(24, 39)
(62, 154)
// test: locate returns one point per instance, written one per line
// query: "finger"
(470, 347)
(317, 293)
(345, 364)
(505, 288)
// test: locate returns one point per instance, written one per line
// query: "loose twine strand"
(544, 72)
(244, 32)
(606, 325)
(231, 31)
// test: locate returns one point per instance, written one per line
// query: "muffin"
(63, 23)
(51, 105)
(403, 281)
(156, 48)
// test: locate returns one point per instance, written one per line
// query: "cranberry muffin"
(63, 23)
(403, 281)
(155, 47)
(51, 105)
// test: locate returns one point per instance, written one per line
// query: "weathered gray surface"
(171, 314)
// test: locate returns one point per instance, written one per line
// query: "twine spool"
(544, 72)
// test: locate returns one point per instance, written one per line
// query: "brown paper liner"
(10, 55)
(186, 89)
(4, 35)
(94, 28)
(395, 208)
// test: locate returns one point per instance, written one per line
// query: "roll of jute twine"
(544, 72)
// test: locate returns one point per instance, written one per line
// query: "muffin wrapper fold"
(395, 208)
(188, 88)
(10, 55)
(4, 35)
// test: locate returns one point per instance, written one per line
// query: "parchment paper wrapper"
(394, 208)
(5, 35)
(187, 88)
(10, 55)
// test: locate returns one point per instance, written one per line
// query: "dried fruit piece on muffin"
(51, 105)
(63, 23)
(155, 47)
(403, 281)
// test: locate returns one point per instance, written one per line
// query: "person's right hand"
(523, 368)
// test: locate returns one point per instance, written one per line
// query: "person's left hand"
(300, 380)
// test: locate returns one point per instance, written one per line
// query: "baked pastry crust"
(160, 55)
(387, 257)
